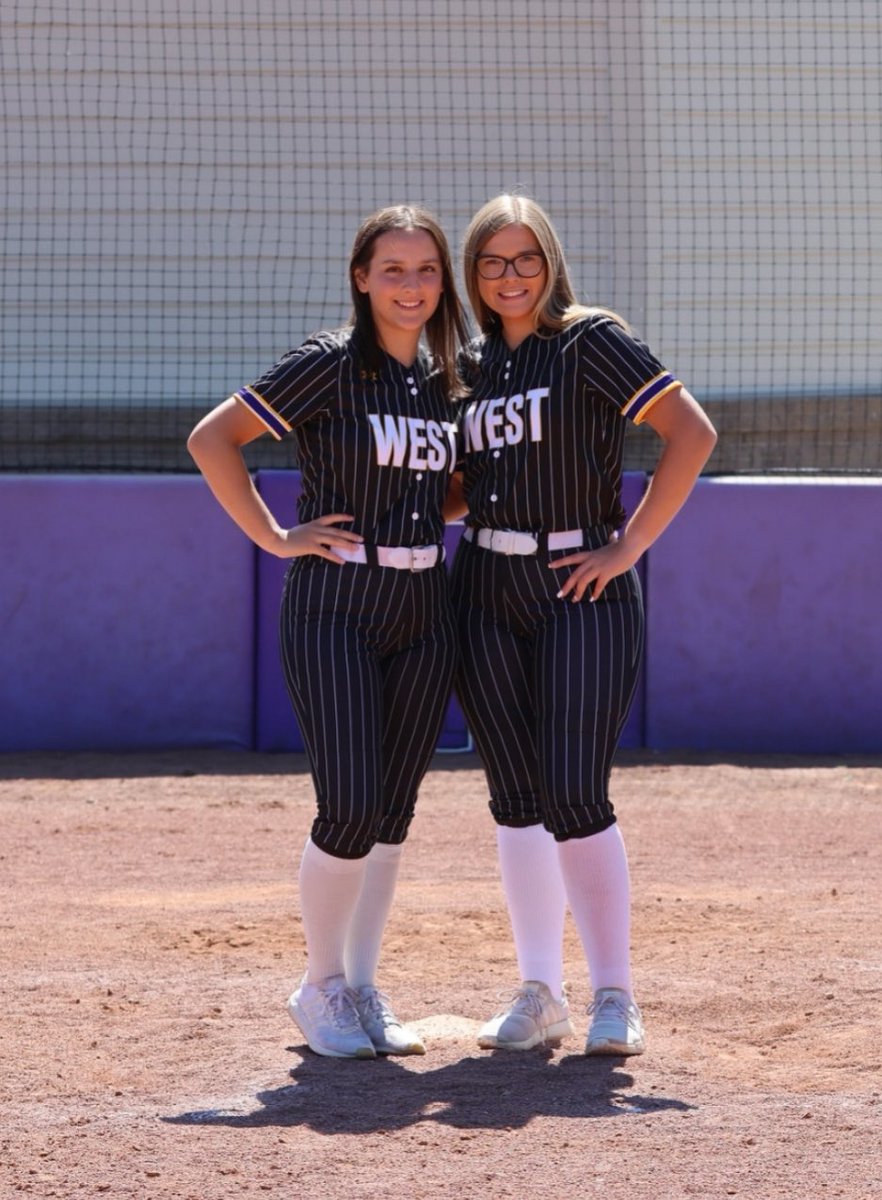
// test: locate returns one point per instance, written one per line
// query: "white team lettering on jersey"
(504, 421)
(425, 445)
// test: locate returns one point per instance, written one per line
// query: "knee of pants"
(517, 811)
(349, 839)
(581, 825)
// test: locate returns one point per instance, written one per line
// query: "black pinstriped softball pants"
(545, 684)
(368, 655)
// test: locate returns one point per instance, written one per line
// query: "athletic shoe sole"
(552, 1036)
(414, 1047)
(608, 1046)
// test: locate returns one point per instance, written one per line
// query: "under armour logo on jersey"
(369, 376)
(491, 424)
(426, 445)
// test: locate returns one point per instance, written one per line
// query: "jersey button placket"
(414, 391)
(496, 453)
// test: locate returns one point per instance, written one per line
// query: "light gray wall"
(764, 230)
(181, 181)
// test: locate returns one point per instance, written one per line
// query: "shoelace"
(340, 1006)
(379, 1007)
(620, 1008)
(609, 1002)
(524, 1001)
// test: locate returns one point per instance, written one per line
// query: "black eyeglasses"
(528, 265)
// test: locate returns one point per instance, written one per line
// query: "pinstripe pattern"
(546, 684)
(543, 429)
(367, 652)
(368, 656)
(377, 444)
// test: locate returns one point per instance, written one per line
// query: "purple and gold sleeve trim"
(642, 401)
(264, 412)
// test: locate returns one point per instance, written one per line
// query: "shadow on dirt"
(496, 1091)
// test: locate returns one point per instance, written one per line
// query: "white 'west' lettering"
(390, 434)
(490, 424)
(426, 445)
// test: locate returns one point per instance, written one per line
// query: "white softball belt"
(401, 558)
(513, 541)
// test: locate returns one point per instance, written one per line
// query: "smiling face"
(511, 296)
(404, 281)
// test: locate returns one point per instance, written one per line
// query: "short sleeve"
(298, 387)
(623, 369)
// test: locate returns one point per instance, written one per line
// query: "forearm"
(226, 474)
(678, 467)
(454, 507)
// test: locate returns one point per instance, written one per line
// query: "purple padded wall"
(275, 727)
(764, 632)
(633, 486)
(126, 605)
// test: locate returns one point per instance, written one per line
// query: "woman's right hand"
(318, 537)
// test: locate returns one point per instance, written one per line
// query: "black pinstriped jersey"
(544, 425)
(379, 444)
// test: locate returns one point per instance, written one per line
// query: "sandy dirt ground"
(150, 938)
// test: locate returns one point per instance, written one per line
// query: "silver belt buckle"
(422, 557)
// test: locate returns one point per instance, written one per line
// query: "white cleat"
(616, 1024)
(533, 1018)
(328, 1018)
(379, 1022)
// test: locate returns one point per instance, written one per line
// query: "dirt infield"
(150, 937)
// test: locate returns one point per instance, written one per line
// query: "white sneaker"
(379, 1022)
(328, 1019)
(534, 1017)
(616, 1024)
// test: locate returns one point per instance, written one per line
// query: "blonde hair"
(557, 306)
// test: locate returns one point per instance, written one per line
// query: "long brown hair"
(557, 306)
(446, 330)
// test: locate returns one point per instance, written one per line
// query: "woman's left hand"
(594, 569)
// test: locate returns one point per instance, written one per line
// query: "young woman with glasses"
(549, 607)
(367, 635)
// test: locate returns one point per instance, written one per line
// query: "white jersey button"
(419, 474)
(494, 497)
(496, 453)
(410, 379)
(415, 516)
(413, 391)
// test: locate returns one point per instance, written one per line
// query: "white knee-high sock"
(595, 871)
(537, 902)
(364, 937)
(329, 889)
